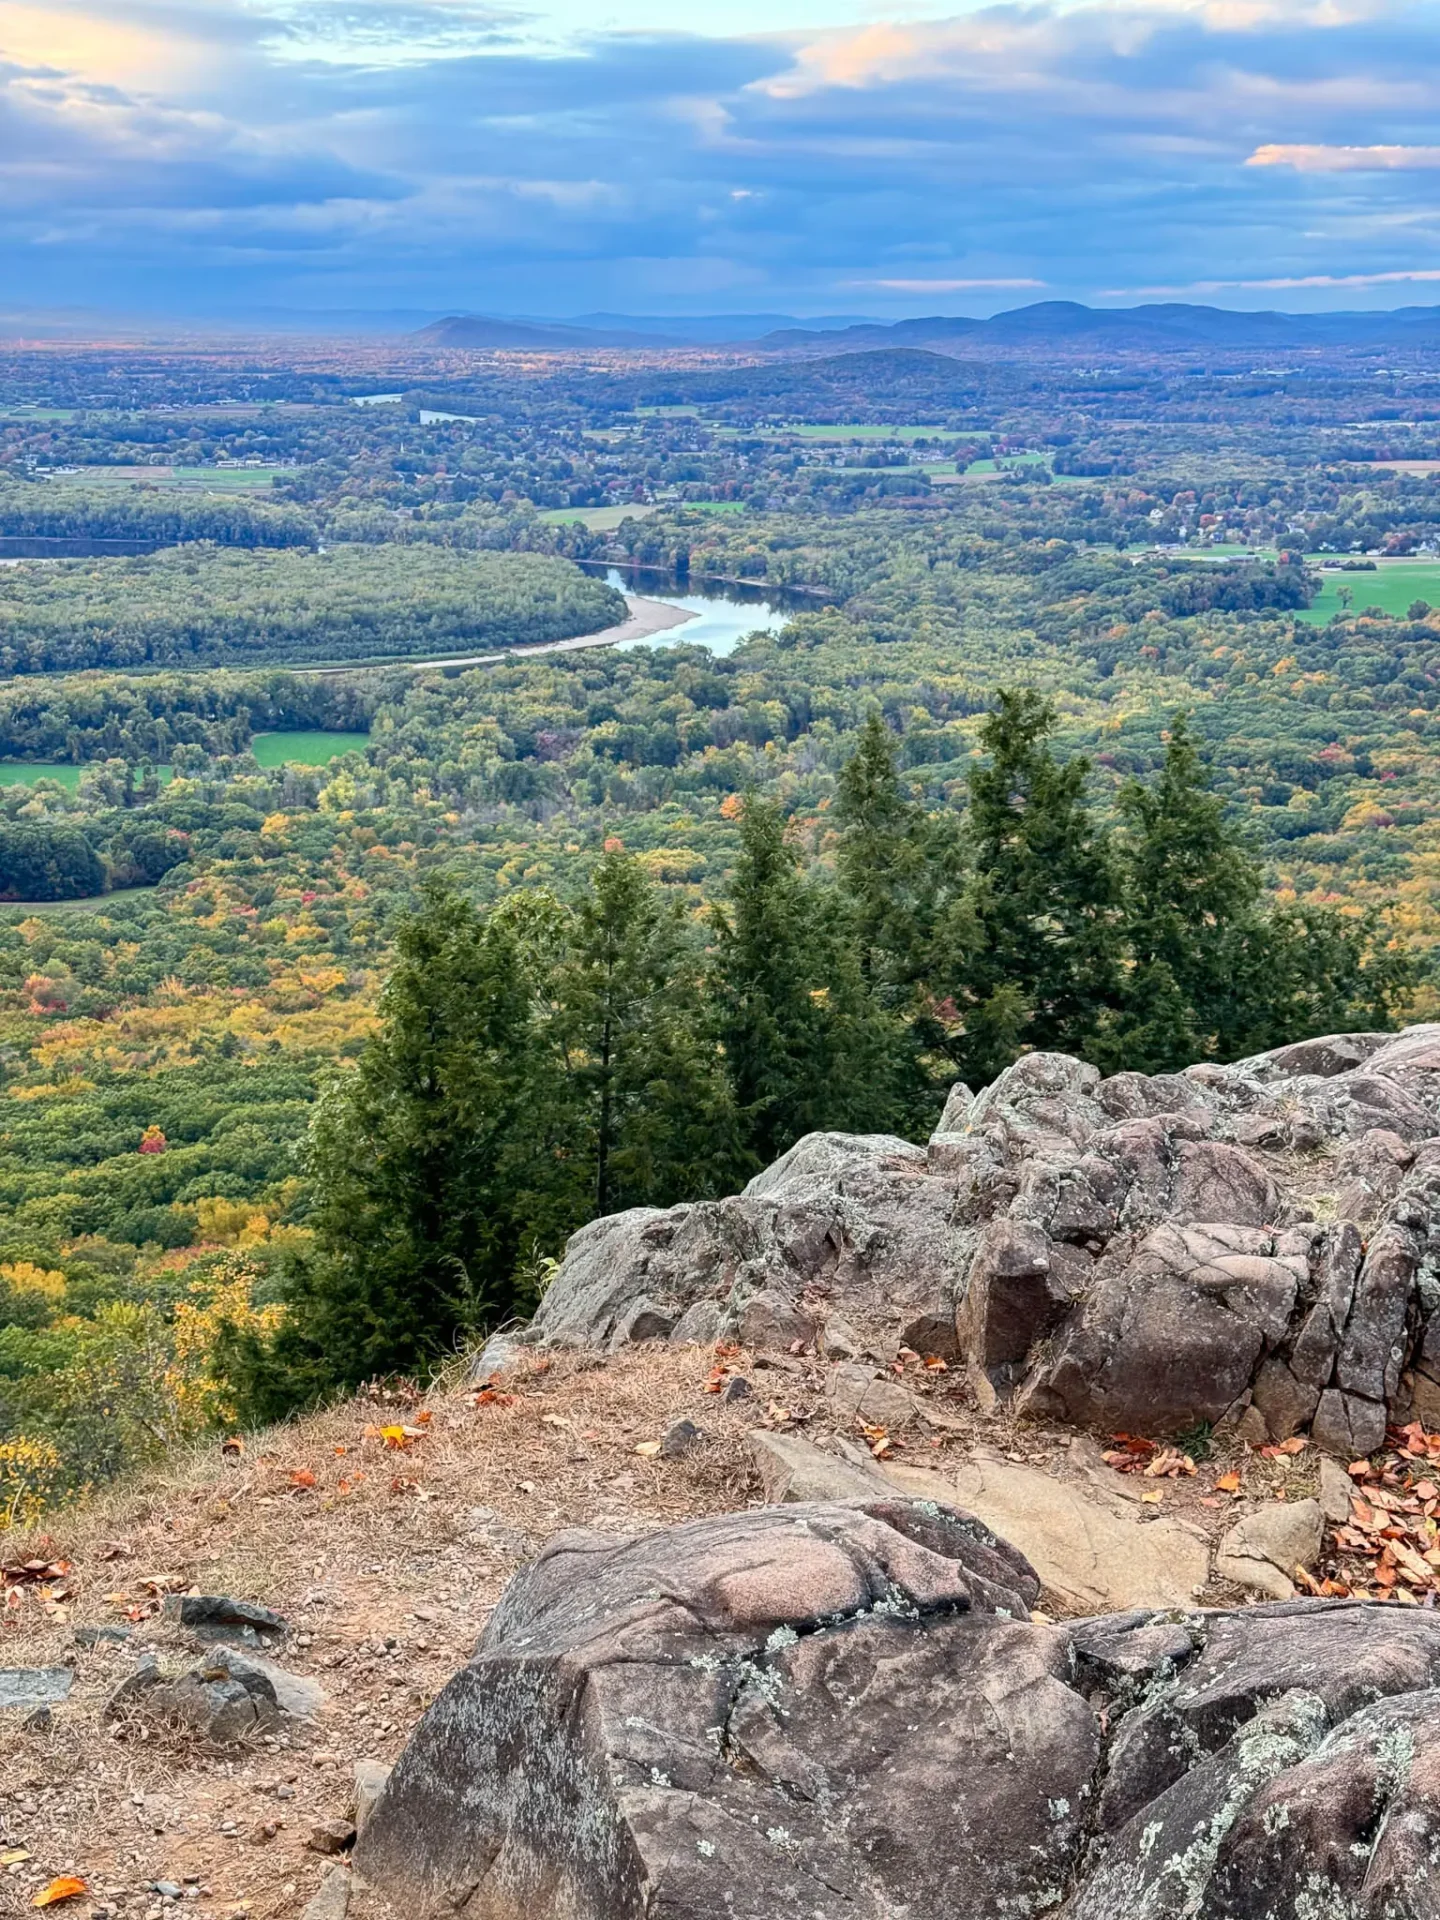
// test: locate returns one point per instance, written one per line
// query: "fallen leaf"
(67, 1887)
(1153, 1498)
(648, 1448)
(1358, 1469)
(13, 1856)
(397, 1438)
(301, 1477)
(234, 1446)
(1228, 1483)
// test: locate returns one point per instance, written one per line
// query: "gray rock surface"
(332, 1901)
(32, 1687)
(1257, 1241)
(1263, 1549)
(218, 1617)
(845, 1711)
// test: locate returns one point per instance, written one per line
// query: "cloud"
(938, 286)
(1321, 159)
(1278, 284)
(478, 152)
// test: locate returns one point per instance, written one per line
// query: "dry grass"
(386, 1559)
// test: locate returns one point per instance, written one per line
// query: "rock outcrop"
(846, 1711)
(1142, 1252)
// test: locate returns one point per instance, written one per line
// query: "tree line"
(544, 1062)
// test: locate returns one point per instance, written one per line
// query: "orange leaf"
(67, 1887)
(424, 1417)
(234, 1446)
(302, 1477)
(1228, 1483)
(395, 1437)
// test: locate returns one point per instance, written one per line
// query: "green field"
(207, 479)
(309, 749)
(24, 773)
(1007, 461)
(1391, 587)
(270, 749)
(597, 519)
(857, 431)
(226, 479)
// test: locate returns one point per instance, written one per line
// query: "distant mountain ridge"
(1155, 327)
(498, 331)
(1173, 324)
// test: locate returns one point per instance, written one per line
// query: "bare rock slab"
(748, 1716)
(844, 1711)
(1094, 1553)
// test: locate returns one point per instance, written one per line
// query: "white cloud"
(938, 286)
(1280, 283)
(1322, 159)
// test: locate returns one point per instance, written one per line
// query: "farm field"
(306, 749)
(1393, 587)
(210, 479)
(24, 773)
(595, 519)
(312, 749)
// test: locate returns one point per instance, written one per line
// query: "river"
(721, 616)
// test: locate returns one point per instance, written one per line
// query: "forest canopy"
(211, 606)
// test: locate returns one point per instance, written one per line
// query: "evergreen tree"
(653, 1103)
(807, 1046)
(886, 862)
(1194, 930)
(1031, 955)
(1216, 972)
(422, 1164)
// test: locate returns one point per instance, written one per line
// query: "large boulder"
(838, 1223)
(1142, 1252)
(846, 1711)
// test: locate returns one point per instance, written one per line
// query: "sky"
(887, 157)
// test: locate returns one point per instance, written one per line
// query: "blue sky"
(808, 156)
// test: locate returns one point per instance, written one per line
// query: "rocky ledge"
(846, 1712)
(1254, 1244)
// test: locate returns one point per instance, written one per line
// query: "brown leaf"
(301, 1477)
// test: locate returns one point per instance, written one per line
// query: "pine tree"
(653, 1103)
(1216, 971)
(1194, 930)
(1032, 952)
(807, 1046)
(887, 862)
(422, 1165)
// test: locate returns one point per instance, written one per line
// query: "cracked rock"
(845, 1710)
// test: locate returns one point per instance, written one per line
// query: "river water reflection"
(723, 615)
